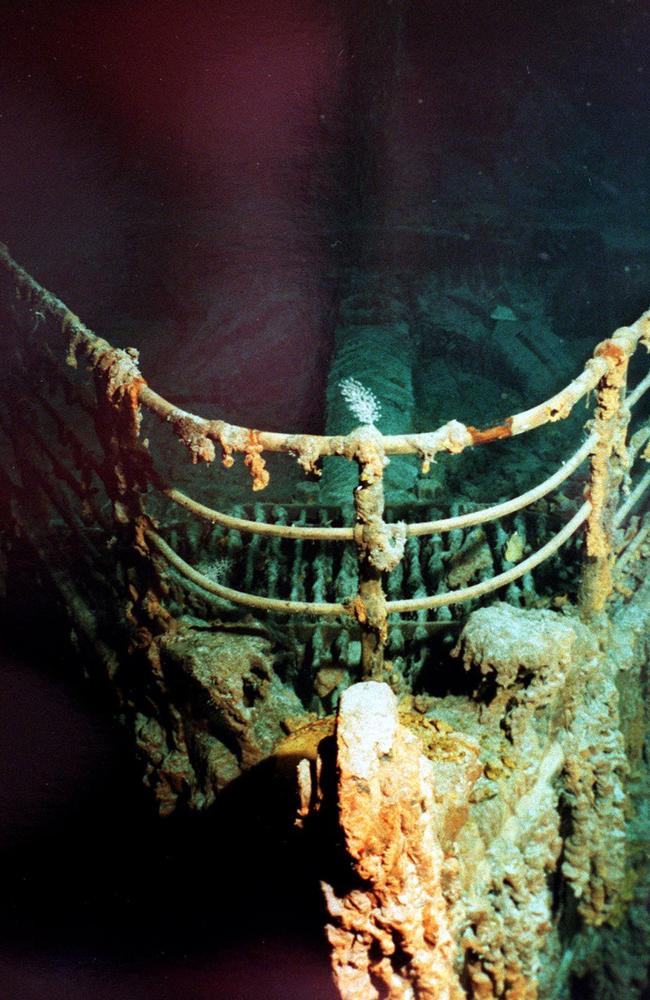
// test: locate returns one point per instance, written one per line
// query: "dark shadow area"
(103, 899)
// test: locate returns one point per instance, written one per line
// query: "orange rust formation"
(254, 462)
(392, 931)
(497, 433)
(611, 350)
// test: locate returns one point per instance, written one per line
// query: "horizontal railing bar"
(50, 302)
(508, 506)
(632, 499)
(453, 436)
(638, 391)
(637, 442)
(306, 532)
(633, 549)
(352, 629)
(237, 596)
(392, 607)
(495, 582)
(312, 532)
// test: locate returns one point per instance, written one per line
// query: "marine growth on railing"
(127, 471)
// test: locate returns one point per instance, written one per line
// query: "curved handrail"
(275, 604)
(508, 506)
(632, 499)
(310, 448)
(635, 395)
(307, 532)
(314, 532)
(380, 546)
(495, 582)
(453, 436)
(392, 607)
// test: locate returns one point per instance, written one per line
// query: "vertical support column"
(606, 474)
(370, 605)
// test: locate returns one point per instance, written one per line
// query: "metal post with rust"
(370, 603)
(608, 467)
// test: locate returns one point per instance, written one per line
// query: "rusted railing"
(122, 392)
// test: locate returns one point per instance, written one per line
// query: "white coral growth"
(361, 402)
(218, 570)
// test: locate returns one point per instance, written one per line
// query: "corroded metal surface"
(482, 821)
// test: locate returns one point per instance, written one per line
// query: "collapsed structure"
(486, 771)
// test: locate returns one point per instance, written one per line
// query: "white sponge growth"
(361, 402)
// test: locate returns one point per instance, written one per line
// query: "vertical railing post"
(369, 510)
(607, 471)
(379, 548)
